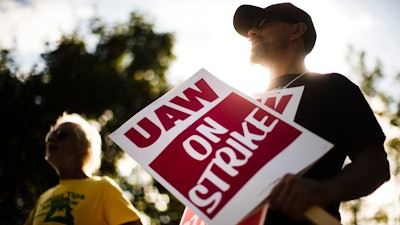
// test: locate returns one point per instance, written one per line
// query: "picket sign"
(216, 149)
(316, 215)
(285, 102)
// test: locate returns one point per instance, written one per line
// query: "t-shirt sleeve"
(118, 209)
(359, 121)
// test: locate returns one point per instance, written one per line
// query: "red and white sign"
(283, 101)
(216, 149)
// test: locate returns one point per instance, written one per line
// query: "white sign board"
(216, 149)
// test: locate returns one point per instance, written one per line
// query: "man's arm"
(368, 170)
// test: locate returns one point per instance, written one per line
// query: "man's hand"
(293, 195)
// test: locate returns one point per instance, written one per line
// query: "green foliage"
(386, 104)
(120, 76)
(123, 73)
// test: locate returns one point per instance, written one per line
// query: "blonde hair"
(91, 139)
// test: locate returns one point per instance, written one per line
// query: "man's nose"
(252, 32)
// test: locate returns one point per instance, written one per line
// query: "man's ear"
(298, 30)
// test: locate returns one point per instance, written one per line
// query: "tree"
(123, 74)
(386, 105)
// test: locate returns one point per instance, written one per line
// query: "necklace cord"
(287, 85)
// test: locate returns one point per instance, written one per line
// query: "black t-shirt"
(335, 109)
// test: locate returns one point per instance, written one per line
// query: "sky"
(205, 37)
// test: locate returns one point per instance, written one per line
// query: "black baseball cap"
(248, 16)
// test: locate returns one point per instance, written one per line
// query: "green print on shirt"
(60, 208)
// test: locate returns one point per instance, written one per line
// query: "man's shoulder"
(330, 79)
(102, 179)
(105, 181)
(328, 76)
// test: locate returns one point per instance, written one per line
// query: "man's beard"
(258, 54)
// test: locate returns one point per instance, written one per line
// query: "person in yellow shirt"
(73, 149)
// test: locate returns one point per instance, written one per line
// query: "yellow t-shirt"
(97, 200)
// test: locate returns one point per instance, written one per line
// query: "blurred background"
(109, 59)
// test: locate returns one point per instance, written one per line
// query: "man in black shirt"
(331, 106)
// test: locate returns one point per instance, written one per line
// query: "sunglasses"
(265, 18)
(60, 133)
